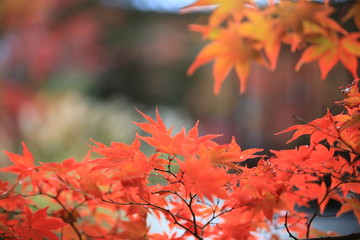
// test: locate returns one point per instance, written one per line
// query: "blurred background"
(74, 70)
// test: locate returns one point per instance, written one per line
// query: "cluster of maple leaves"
(195, 184)
(241, 32)
(202, 189)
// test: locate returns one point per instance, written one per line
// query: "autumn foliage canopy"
(201, 189)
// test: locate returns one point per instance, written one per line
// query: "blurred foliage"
(58, 128)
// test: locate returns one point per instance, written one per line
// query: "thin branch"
(308, 225)
(192, 213)
(173, 217)
(218, 215)
(316, 213)
(287, 229)
(123, 204)
(65, 209)
(147, 203)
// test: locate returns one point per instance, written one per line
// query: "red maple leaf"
(24, 164)
(201, 178)
(351, 204)
(162, 139)
(38, 226)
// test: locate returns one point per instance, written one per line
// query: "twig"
(287, 229)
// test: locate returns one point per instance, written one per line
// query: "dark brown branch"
(316, 213)
(189, 205)
(352, 236)
(173, 217)
(287, 229)
(147, 203)
(308, 225)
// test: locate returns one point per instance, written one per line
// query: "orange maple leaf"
(354, 12)
(352, 95)
(293, 14)
(229, 50)
(329, 50)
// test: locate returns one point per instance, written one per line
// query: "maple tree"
(199, 188)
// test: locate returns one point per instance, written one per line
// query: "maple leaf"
(351, 187)
(38, 225)
(353, 12)
(226, 155)
(181, 143)
(9, 199)
(351, 204)
(63, 168)
(223, 9)
(219, 156)
(161, 136)
(293, 14)
(117, 152)
(237, 224)
(193, 140)
(349, 132)
(329, 50)
(319, 129)
(242, 155)
(96, 228)
(269, 204)
(259, 180)
(204, 180)
(136, 228)
(262, 28)
(206, 31)
(89, 183)
(68, 233)
(24, 164)
(324, 197)
(153, 126)
(229, 50)
(5, 191)
(352, 95)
